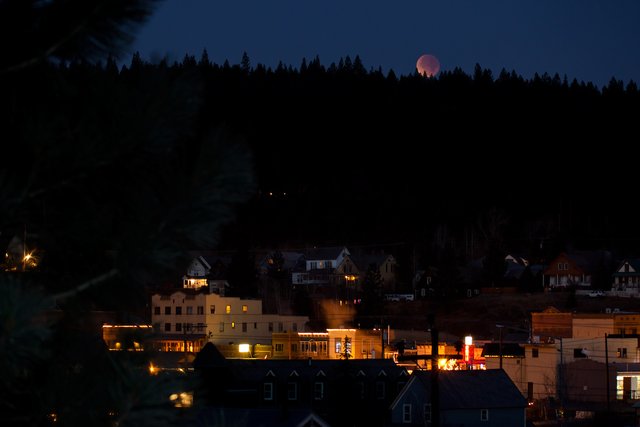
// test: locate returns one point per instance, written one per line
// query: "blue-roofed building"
(354, 392)
(467, 399)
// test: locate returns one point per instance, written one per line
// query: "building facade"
(626, 279)
(333, 344)
(466, 399)
(184, 320)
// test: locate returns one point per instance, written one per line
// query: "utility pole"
(606, 361)
(561, 375)
(381, 340)
(435, 390)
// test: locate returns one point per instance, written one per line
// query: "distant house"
(569, 270)
(516, 259)
(319, 265)
(467, 399)
(348, 272)
(626, 278)
(202, 270)
(385, 264)
(353, 269)
(285, 261)
(423, 282)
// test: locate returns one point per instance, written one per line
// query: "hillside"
(479, 315)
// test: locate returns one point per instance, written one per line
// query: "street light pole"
(500, 327)
(606, 358)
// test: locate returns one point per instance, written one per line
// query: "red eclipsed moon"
(428, 65)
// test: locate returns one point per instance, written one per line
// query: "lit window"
(406, 413)
(484, 415)
(233, 325)
(338, 345)
(245, 308)
(182, 400)
(267, 391)
(228, 309)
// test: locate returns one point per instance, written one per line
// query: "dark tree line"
(347, 155)
(401, 155)
(117, 171)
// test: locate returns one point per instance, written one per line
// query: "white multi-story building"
(186, 319)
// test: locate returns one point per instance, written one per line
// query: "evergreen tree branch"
(67, 29)
(86, 285)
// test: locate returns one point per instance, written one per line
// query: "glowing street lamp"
(245, 349)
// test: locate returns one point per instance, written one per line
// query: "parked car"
(596, 294)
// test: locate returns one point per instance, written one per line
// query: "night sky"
(591, 40)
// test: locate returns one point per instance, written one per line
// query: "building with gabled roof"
(467, 399)
(626, 278)
(575, 269)
(341, 392)
(319, 265)
(384, 264)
